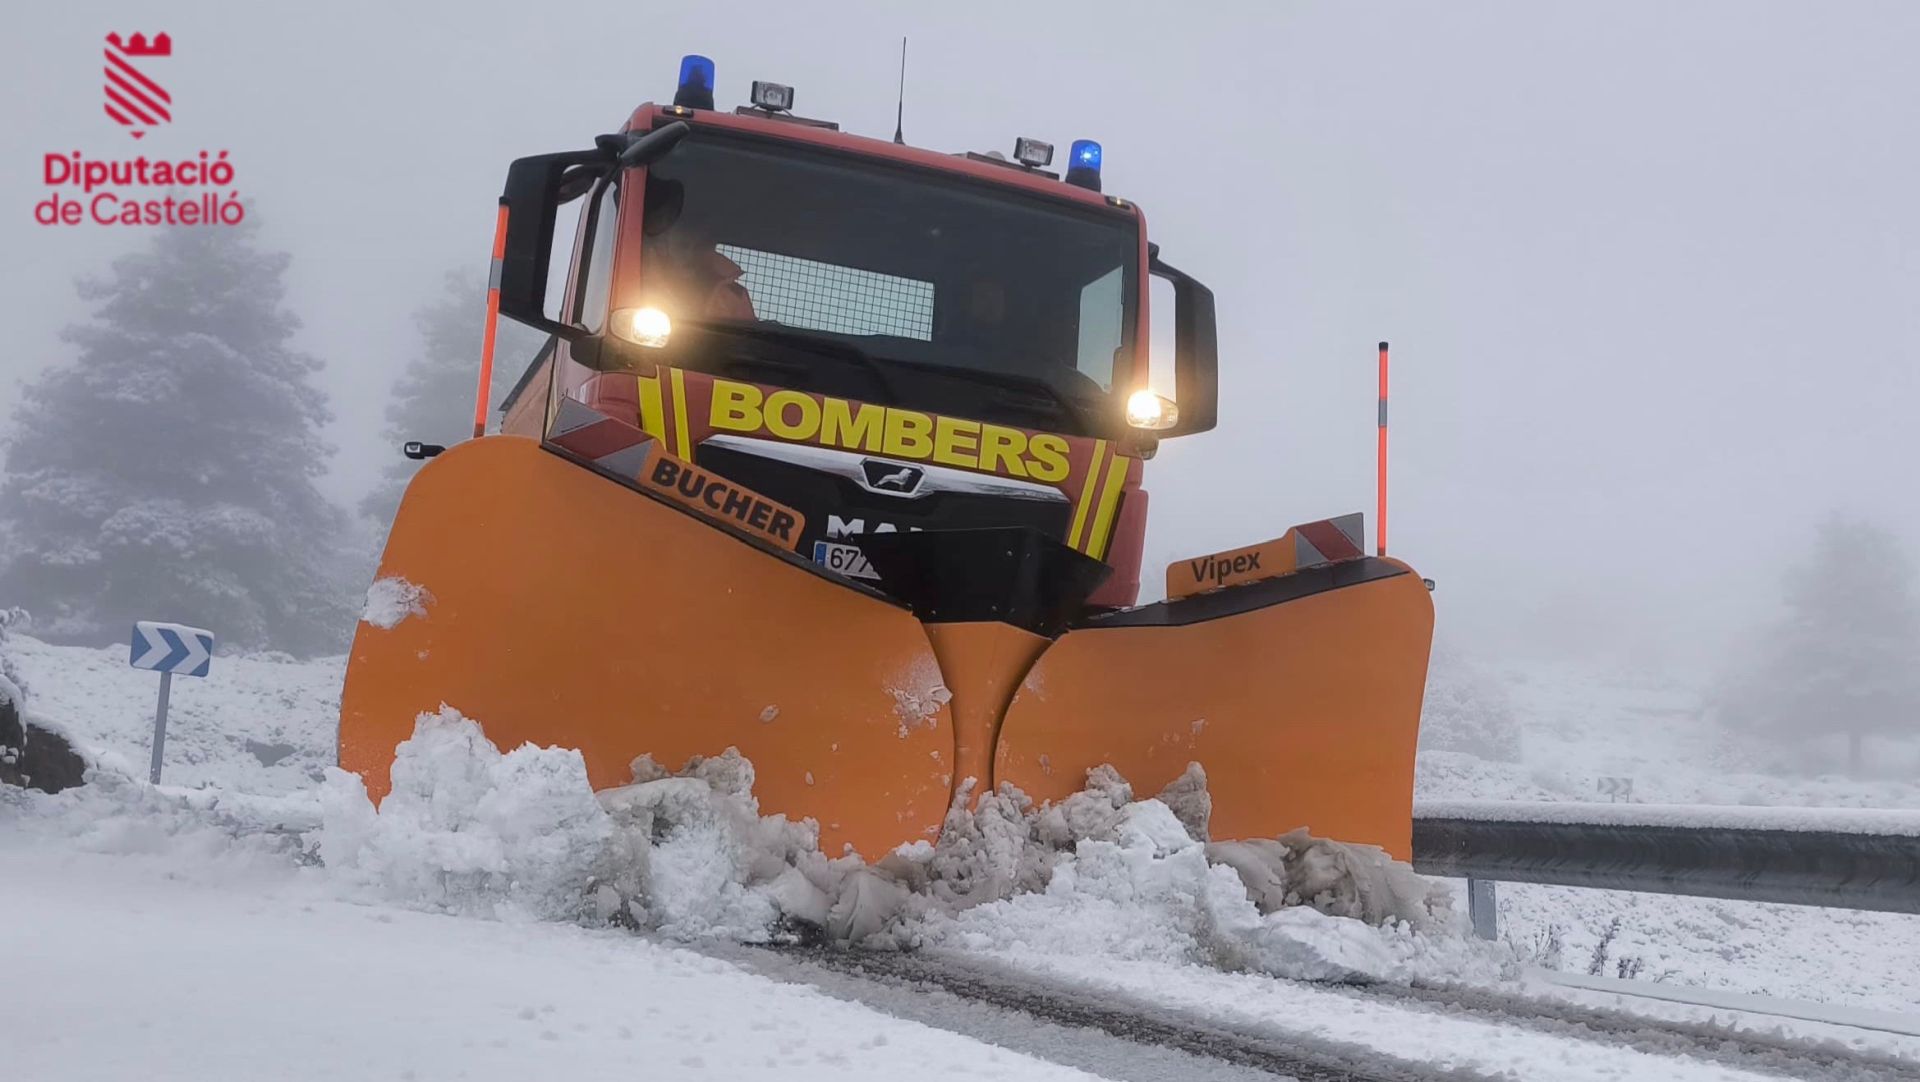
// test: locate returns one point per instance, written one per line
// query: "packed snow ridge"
(686, 854)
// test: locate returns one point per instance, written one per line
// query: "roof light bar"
(1032, 153)
(696, 82)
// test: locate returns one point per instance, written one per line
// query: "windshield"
(907, 266)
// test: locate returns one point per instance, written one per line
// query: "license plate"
(847, 560)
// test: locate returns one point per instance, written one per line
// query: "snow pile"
(391, 600)
(1099, 872)
(687, 854)
(468, 829)
(1102, 873)
(691, 857)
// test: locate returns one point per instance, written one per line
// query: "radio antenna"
(900, 110)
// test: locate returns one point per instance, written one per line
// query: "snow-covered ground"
(1570, 727)
(1574, 725)
(164, 964)
(259, 723)
(229, 902)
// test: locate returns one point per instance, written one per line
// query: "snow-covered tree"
(433, 398)
(1845, 658)
(13, 686)
(166, 470)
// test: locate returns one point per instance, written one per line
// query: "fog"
(1649, 271)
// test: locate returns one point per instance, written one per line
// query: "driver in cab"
(700, 281)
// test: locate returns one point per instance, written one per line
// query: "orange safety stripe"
(484, 391)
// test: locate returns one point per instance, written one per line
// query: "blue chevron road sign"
(168, 649)
(171, 648)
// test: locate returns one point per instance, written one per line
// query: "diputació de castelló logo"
(109, 190)
(133, 97)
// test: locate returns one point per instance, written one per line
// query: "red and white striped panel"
(614, 446)
(1328, 540)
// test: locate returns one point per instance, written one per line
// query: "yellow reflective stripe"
(680, 435)
(1110, 499)
(1086, 493)
(653, 419)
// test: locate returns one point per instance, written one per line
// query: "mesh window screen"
(819, 296)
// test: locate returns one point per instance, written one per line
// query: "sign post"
(168, 649)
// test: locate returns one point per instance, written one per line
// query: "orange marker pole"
(1380, 531)
(483, 391)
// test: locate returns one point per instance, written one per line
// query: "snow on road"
(156, 967)
(1321, 1015)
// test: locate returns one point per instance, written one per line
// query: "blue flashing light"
(1083, 164)
(696, 82)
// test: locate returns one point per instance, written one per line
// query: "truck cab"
(873, 337)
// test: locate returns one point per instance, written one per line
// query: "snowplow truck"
(834, 455)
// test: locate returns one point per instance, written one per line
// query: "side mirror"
(536, 188)
(1196, 352)
(418, 451)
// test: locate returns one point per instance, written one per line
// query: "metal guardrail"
(1845, 869)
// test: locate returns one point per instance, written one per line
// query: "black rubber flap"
(1013, 574)
(1249, 596)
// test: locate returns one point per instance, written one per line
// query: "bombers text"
(887, 430)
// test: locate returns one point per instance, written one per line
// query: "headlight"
(1151, 411)
(643, 326)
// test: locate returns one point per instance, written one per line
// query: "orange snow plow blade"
(1300, 695)
(563, 609)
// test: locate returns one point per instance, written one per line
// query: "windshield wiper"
(1072, 410)
(788, 336)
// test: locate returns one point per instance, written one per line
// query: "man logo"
(133, 98)
(891, 478)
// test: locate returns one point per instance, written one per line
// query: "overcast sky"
(1649, 269)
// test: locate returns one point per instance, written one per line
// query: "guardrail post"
(1482, 909)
